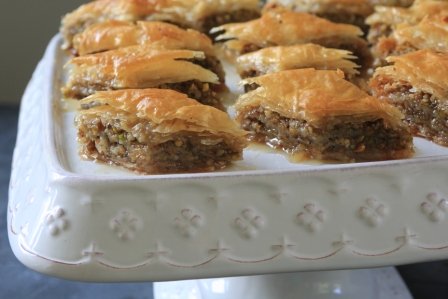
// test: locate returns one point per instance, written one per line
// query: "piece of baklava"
(200, 15)
(417, 84)
(157, 131)
(112, 35)
(275, 59)
(102, 10)
(281, 27)
(339, 11)
(430, 33)
(204, 15)
(316, 114)
(143, 67)
(386, 19)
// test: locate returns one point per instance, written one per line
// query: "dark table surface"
(425, 280)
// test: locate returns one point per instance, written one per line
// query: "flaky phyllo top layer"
(184, 12)
(425, 70)
(394, 16)
(116, 34)
(168, 111)
(102, 10)
(358, 7)
(189, 12)
(319, 97)
(275, 59)
(137, 66)
(430, 33)
(282, 27)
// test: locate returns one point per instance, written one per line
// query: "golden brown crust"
(138, 67)
(430, 33)
(392, 16)
(187, 13)
(102, 10)
(358, 7)
(112, 34)
(317, 96)
(190, 12)
(282, 27)
(168, 110)
(275, 59)
(425, 70)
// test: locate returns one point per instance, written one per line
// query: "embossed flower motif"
(56, 221)
(125, 225)
(435, 207)
(249, 223)
(311, 218)
(373, 212)
(188, 223)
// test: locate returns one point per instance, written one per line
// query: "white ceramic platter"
(80, 220)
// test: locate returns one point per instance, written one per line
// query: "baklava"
(200, 15)
(316, 114)
(112, 35)
(204, 15)
(281, 27)
(386, 19)
(430, 33)
(143, 67)
(157, 131)
(275, 59)
(339, 11)
(417, 84)
(102, 10)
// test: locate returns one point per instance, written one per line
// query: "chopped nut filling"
(134, 145)
(343, 141)
(426, 115)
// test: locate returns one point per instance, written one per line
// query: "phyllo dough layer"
(206, 14)
(143, 67)
(200, 15)
(417, 84)
(157, 131)
(102, 10)
(386, 19)
(112, 35)
(281, 27)
(319, 115)
(275, 59)
(340, 11)
(430, 33)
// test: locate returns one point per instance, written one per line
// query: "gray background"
(26, 26)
